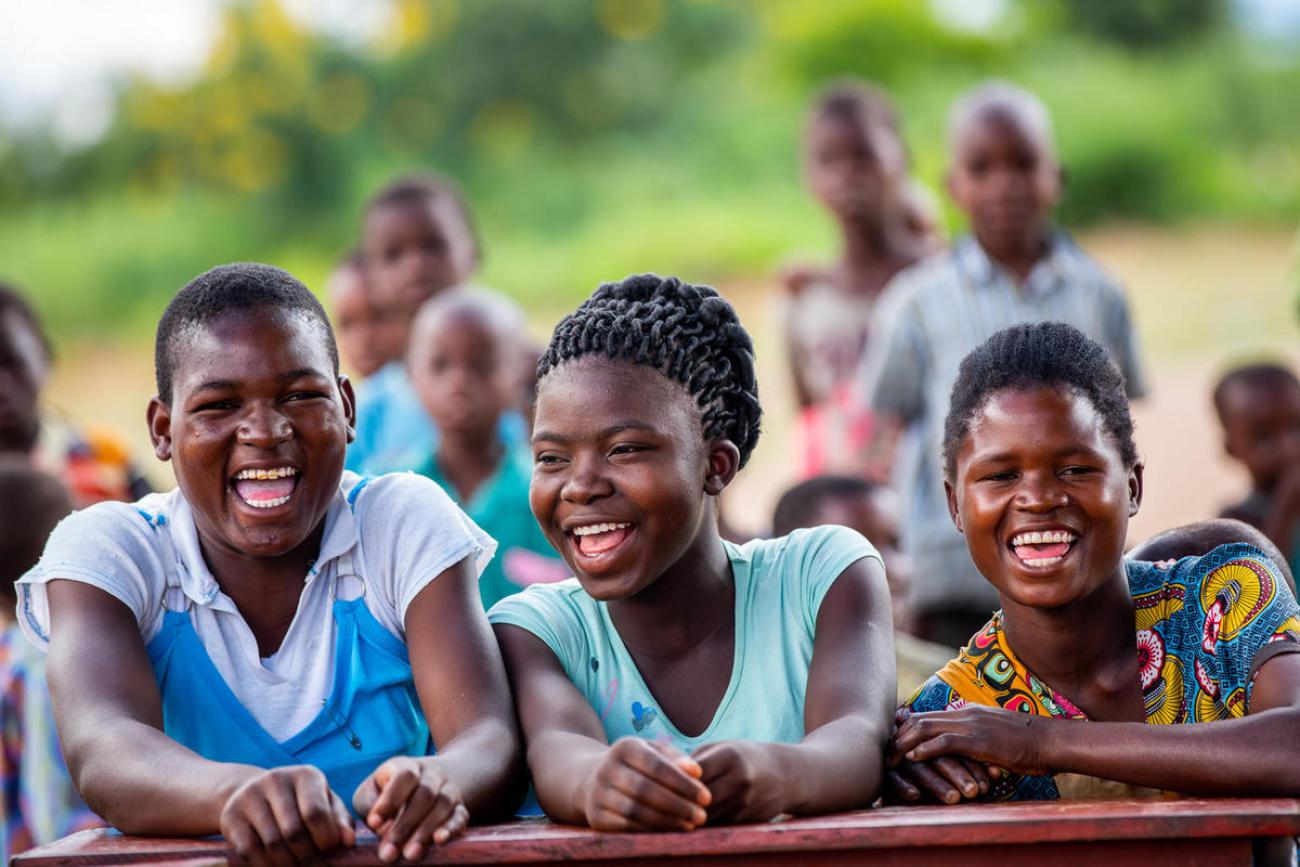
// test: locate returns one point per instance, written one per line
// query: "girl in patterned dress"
(1094, 661)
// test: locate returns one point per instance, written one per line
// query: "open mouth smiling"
(265, 487)
(1042, 549)
(598, 541)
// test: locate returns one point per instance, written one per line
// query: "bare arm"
(848, 717)
(463, 691)
(109, 714)
(1228, 760)
(579, 777)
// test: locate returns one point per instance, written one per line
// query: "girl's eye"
(1001, 476)
(625, 449)
(547, 460)
(304, 395)
(215, 406)
(1077, 471)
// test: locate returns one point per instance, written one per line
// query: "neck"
(1018, 259)
(871, 255)
(266, 590)
(466, 460)
(1076, 646)
(694, 598)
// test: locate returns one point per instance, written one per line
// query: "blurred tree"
(1146, 23)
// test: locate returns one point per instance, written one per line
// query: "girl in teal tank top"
(679, 679)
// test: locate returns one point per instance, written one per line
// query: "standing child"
(856, 166)
(464, 366)
(1013, 268)
(38, 799)
(369, 337)
(240, 655)
(1259, 408)
(417, 239)
(679, 678)
(1097, 670)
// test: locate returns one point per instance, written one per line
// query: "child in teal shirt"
(680, 679)
(464, 367)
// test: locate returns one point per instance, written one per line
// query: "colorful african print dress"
(1204, 626)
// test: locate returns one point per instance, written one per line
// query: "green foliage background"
(599, 137)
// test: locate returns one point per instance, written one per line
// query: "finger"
(442, 810)
(363, 799)
(677, 758)
(343, 819)
(292, 828)
(945, 744)
(246, 843)
(901, 787)
(315, 805)
(955, 772)
(651, 793)
(275, 851)
(453, 827)
(932, 783)
(661, 767)
(412, 815)
(393, 793)
(646, 817)
(980, 772)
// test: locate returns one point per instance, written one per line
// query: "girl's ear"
(723, 464)
(1135, 488)
(349, 396)
(951, 495)
(159, 418)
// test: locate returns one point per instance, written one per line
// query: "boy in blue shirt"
(464, 367)
(1014, 267)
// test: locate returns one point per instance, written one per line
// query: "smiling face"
(623, 478)
(1043, 496)
(855, 170)
(1006, 179)
(256, 431)
(416, 249)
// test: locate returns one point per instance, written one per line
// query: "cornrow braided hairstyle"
(688, 333)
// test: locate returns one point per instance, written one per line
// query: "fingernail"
(705, 798)
(952, 798)
(412, 852)
(441, 835)
(971, 791)
(699, 817)
(911, 755)
(387, 851)
(373, 821)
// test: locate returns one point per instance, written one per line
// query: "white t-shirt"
(401, 531)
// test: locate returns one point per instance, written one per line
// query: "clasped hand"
(288, 816)
(643, 785)
(955, 754)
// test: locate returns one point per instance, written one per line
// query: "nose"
(1041, 493)
(585, 485)
(264, 425)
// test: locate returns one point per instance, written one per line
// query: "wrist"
(229, 779)
(787, 777)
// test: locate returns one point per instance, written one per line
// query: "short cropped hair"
(1263, 375)
(423, 188)
(798, 506)
(1005, 97)
(241, 287)
(690, 334)
(855, 101)
(31, 504)
(1050, 354)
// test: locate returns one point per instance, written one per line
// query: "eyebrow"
(287, 376)
(604, 433)
(1007, 457)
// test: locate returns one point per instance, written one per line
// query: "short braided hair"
(688, 333)
(1050, 354)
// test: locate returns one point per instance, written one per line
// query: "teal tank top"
(780, 584)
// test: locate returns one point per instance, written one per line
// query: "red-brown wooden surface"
(1190, 832)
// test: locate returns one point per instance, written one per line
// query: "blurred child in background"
(1014, 267)
(39, 801)
(872, 510)
(369, 337)
(92, 462)
(417, 239)
(464, 366)
(1259, 408)
(856, 167)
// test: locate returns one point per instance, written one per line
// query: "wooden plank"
(1021, 828)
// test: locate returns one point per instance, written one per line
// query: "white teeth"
(268, 504)
(593, 529)
(1043, 561)
(1051, 537)
(277, 473)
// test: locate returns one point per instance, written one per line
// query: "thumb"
(363, 799)
(347, 830)
(678, 758)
